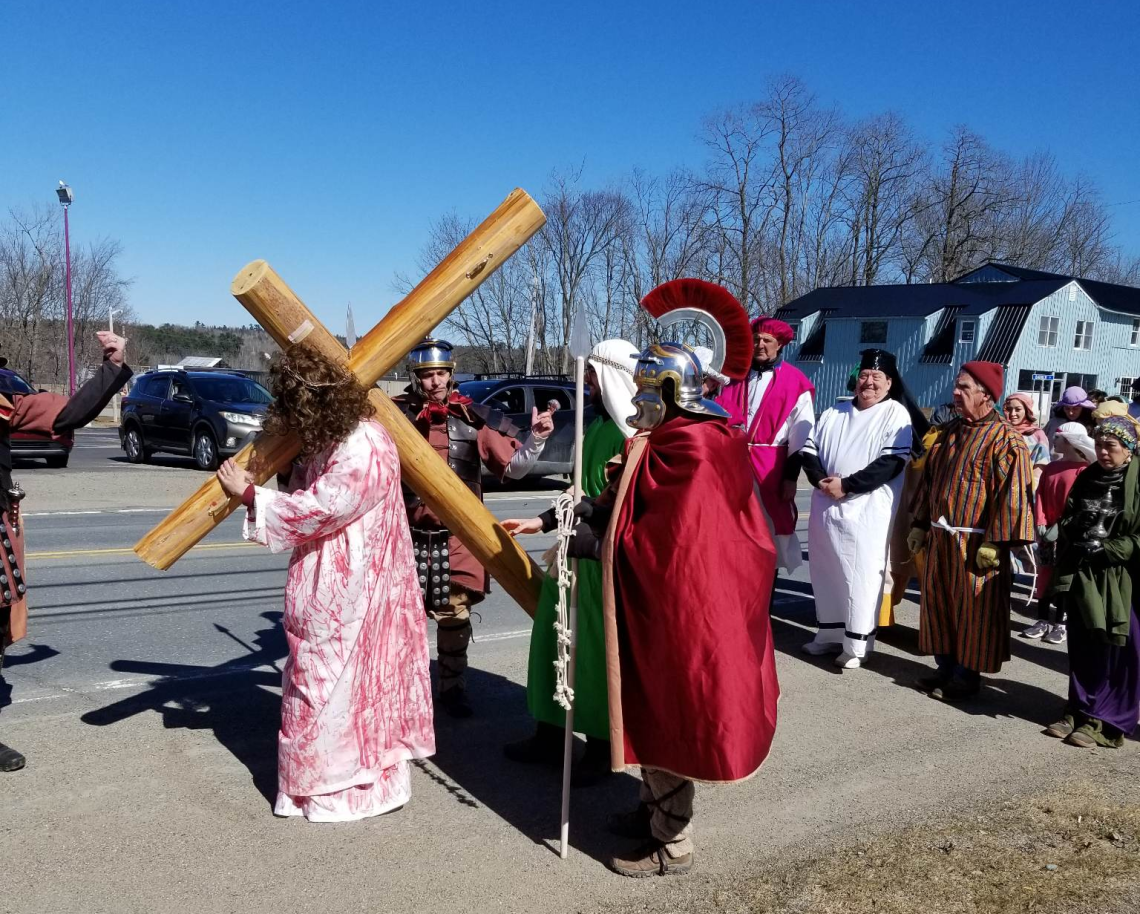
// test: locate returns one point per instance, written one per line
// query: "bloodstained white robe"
(847, 539)
(356, 693)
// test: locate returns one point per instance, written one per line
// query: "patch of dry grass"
(1065, 851)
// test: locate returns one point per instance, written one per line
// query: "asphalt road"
(95, 448)
(104, 620)
(148, 705)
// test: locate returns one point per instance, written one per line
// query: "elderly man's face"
(766, 348)
(870, 387)
(970, 398)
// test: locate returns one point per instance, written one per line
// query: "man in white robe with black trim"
(854, 458)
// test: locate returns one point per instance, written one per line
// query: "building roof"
(973, 297)
(200, 361)
(1004, 333)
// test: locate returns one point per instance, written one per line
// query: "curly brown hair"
(314, 397)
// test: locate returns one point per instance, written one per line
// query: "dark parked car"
(516, 396)
(205, 414)
(55, 449)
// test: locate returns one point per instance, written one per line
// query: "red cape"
(693, 565)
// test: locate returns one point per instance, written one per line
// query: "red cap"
(783, 333)
(990, 375)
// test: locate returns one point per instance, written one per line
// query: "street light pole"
(65, 198)
(111, 312)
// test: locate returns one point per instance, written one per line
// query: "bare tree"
(884, 162)
(581, 226)
(738, 179)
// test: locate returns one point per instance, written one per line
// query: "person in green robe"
(609, 374)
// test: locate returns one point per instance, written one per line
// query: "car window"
(178, 387)
(12, 383)
(157, 387)
(509, 400)
(230, 389)
(543, 395)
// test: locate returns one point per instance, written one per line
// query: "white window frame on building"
(967, 331)
(1083, 338)
(1048, 332)
(1135, 340)
(872, 339)
(1124, 386)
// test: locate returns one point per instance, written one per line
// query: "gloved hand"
(987, 557)
(915, 540)
(595, 515)
(584, 543)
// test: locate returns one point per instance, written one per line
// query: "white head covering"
(1077, 436)
(704, 354)
(613, 362)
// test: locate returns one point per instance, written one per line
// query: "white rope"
(564, 512)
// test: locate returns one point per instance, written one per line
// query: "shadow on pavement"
(230, 699)
(793, 623)
(31, 654)
(469, 762)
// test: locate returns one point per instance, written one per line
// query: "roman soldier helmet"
(714, 308)
(431, 353)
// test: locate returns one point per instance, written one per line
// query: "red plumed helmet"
(709, 301)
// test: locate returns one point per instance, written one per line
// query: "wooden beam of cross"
(285, 317)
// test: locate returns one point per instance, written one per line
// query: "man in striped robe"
(974, 505)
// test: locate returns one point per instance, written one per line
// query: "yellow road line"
(128, 551)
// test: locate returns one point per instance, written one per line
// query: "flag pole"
(580, 348)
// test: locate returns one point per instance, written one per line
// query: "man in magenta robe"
(774, 408)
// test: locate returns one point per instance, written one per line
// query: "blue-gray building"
(1049, 331)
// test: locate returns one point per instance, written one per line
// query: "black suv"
(205, 414)
(516, 395)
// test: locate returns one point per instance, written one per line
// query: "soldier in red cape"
(692, 677)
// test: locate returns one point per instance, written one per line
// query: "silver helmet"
(674, 362)
(431, 353)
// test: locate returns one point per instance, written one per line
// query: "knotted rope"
(564, 512)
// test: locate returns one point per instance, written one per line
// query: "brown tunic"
(977, 479)
(57, 416)
(495, 451)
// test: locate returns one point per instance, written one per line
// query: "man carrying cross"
(468, 437)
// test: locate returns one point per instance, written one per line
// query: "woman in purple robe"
(1098, 548)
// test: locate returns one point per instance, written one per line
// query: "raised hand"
(541, 424)
(114, 346)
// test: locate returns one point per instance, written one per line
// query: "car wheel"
(57, 463)
(205, 451)
(133, 445)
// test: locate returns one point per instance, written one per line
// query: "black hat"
(879, 360)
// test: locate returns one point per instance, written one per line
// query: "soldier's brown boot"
(651, 860)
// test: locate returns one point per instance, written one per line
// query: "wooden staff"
(277, 308)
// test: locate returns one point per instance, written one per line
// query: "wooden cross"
(283, 315)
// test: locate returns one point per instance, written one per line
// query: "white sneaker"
(819, 648)
(846, 661)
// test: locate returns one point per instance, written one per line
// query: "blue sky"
(324, 137)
